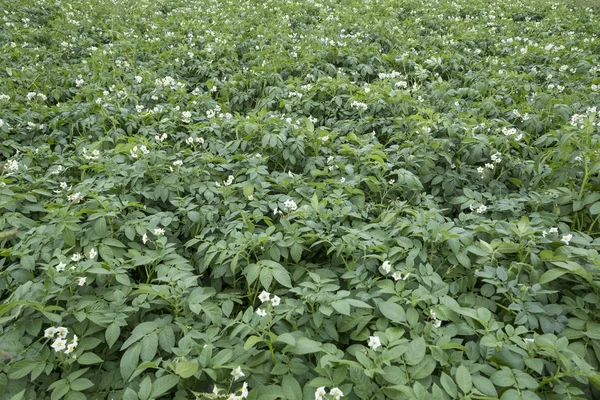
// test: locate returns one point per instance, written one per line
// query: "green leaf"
(145, 388)
(464, 380)
(296, 252)
(186, 369)
(59, 390)
(21, 369)
(251, 341)
(423, 369)
(248, 189)
(129, 361)
(449, 385)
(271, 392)
(282, 276)
(503, 378)
(166, 339)
(100, 227)
(112, 334)
(392, 311)
(551, 275)
(291, 388)
(149, 347)
(287, 338)
(81, 384)
(485, 386)
(595, 208)
(163, 384)
(305, 346)
(89, 358)
(415, 352)
(341, 306)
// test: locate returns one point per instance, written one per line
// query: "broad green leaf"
(291, 388)
(392, 311)
(89, 358)
(415, 351)
(163, 384)
(463, 379)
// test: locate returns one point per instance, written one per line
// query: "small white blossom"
(260, 312)
(566, 238)
(290, 205)
(320, 392)
(59, 344)
(275, 300)
(76, 257)
(159, 231)
(553, 230)
(81, 280)
(386, 266)
(336, 393)
(374, 342)
(237, 373)
(244, 390)
(60, 267)
(144, 238)
(50, 332)
(92, 254)
(264, 296)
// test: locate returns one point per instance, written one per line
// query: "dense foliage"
(311, 199)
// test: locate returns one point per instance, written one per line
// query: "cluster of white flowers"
(496, 157)
(94, 156)
(264, 297)
(479, 210)
(186, 116)
(243, 390)
(158, 232)
(436, 322)
(11, 166)
(391, 75)
(213, 112)
(60, 343)
(228, 182)
(139, 108)
(357, 105)
(138, 79)
(168, 82)
(401, 84)
(75, 197)
(79, 82)
(4, 97)
(511, 132)
(33, 95)
(161, 138)
(135, 151)
(397, 275)
(295, 94)
(191, 140)
(122, 64)
(596, 88)
(322, 391)
(554, 230)
(290, 205)
(374, 342)
(312, 119)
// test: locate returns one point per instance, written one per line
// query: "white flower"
(245, 390)
(60, 267)
(144, 238)
(496, 157)
(59, 344)
(138, 79)
(76, 257)
(159, 231)
(480, 170)
(553, 230)
(261, 313)
(481, 209)
(489, 165)
(81, 280)
(92, 254)
(75, 197)
(71, 347)
(50, 332)
(336, 393)
(233, 397)
(62, 332)
(386, 266)
(374, 342)
(1, 123)
(275, 300)
(177, 163)
(215, 390)
(290, 205)
(237, 373)
(320, 392)
(544, 233)
(264, 296)
(566, 238)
